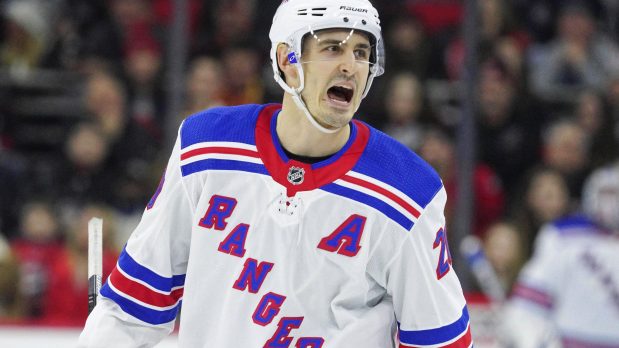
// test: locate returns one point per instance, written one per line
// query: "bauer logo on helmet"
(353, 9)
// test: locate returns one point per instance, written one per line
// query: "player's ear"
(291, 74)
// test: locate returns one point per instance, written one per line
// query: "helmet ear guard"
(278, 75)
(292, 58)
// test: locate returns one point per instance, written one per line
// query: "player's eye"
(362, 54)
(332, 48)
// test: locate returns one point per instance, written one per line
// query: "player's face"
(336, 66)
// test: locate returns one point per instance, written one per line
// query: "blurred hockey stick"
(488, 317)
(472, 250)
(95, 255)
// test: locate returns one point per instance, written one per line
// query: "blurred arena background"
(513, 102)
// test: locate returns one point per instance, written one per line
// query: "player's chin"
(336, 120)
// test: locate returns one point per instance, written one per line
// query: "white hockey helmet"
(295, 19)
(601, 196)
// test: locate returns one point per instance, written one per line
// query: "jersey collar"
(298, 176)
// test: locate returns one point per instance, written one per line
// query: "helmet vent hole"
(364, 22)
(346, 19)
(315, 11)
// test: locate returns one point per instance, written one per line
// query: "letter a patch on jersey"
(234, 244)
(346, 238)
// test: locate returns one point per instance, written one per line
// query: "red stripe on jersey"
(533, 295)
(219, 149)
(382, 191)
(314, 176)
(463, 342)
(143, 293)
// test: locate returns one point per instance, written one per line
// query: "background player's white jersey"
(270, 252)
(570, 285)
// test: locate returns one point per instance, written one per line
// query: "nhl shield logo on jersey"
(296, 175)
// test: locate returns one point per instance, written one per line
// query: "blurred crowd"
(83, 118)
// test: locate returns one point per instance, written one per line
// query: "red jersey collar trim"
(298, 176)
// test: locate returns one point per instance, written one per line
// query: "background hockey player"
(292, 225)
(568, 293)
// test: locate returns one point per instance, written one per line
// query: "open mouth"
(340, 94)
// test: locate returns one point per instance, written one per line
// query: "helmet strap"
(296, 96)
(298, 99)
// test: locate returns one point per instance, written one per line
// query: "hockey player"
(568, 293)
(292, 225)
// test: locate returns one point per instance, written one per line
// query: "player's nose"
(348, 63)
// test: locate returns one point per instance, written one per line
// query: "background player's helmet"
(295, 19)
(601, 196)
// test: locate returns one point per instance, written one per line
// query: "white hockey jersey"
(570, 285)
(265, 251)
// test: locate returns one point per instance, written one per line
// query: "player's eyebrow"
(327, 42)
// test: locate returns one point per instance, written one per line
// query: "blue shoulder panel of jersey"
(225, 123)
(575, 224)
(388, 161)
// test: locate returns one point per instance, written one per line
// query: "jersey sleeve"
(139, 301)
(530, 305)
(427, 297)
(536, 283)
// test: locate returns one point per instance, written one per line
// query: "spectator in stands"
(504, 249)
(438, 149)
(132, 145)
(543, 197)
(243, 75)
(25, 40)
(511, 52)
(409, 50)
(145, 97)
(508, 128)
(612, 98)
(105, 98)
(593, 117)
(497, 24)
(436, 16)
(65, 302)
(11, 304)
(580, 56)
(407, 46)
(85, 174)
(133, 16)
(36, 247)
(80, 27)
(406, 109)
(205, 85)
(539, 17)
(566, 148)
(227, 24)
(12, 169)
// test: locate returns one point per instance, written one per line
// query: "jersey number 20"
(444, 258)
